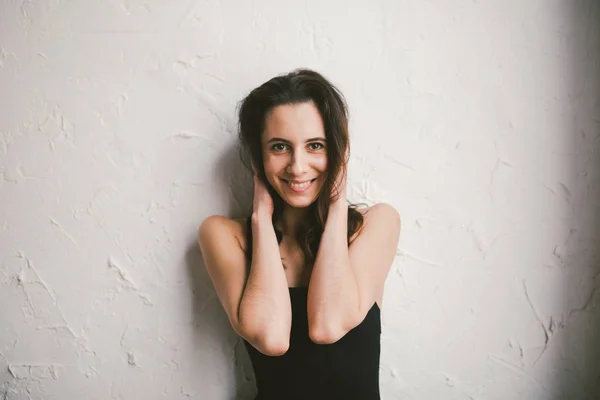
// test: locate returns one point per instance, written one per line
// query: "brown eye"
(319, 146)
(278, 147)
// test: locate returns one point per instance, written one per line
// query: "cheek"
(272, 168)
(321, 164)
(268, 163)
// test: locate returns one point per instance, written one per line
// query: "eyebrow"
(276, 139)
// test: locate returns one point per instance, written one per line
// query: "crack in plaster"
(499, 162)
(406, 254)
(511, 367)
(547, 336)
(124, 277)
(22, 282)
(67, 235)
(35, 372)
(127, 282)
(589, 304)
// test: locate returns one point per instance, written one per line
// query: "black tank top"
(347, 369)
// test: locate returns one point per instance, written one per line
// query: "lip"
(299, 190)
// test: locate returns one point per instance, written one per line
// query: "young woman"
(302, 278)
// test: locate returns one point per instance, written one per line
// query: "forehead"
(294, 122)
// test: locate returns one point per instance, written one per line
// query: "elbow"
(329, 332)
(267, 343)
(325, 335)
(271, 346)
(275, 348)
(271, 338)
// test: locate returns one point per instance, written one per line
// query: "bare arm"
(333, 296)
(265, 308)
(346, 282)
(256, 307)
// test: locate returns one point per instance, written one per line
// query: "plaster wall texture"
(479, 121)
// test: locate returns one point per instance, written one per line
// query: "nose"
(298, 164)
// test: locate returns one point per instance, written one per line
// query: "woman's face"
(294, 152)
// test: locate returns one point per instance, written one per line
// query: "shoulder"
(379, 210)
(380, 216)
(383, 216)
(382, 213)
(218, 226)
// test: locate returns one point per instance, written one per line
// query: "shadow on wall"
(579, 373)
(234, 184)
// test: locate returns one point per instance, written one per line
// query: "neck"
(291, 220)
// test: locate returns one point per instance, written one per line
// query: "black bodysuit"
(347, 369)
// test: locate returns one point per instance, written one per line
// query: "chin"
(298, 204)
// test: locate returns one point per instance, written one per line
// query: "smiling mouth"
(299, 187)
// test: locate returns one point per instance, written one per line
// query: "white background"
(478, 120)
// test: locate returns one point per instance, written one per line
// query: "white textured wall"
(478, 120)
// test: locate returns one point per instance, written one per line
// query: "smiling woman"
(295, 153)
(302, 278)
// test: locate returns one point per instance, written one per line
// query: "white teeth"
(299, 185)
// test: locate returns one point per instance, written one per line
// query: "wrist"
(339, 198)
(339, 204)
(260, 216)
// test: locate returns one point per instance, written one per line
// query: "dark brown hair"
(300, 86)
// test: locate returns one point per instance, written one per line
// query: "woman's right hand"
(263, 202)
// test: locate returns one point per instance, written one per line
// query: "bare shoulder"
(383, 217)
(378, 216)
(225, 261)
(382, 212)
(219, 226)
(215, 225)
